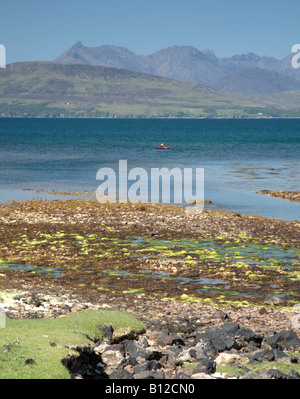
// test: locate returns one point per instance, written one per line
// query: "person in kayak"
(162, 145)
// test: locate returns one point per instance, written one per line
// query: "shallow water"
(239, 157)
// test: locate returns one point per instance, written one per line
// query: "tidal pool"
(49, 271)
(222, 250)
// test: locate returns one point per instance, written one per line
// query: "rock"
(121, 374)
(169, 358)
(204, 348)
(130, 361)
(202, 376)
(150, 375)
(271, 374)
(149, 365)
(107, 332)
(244, 336)
(285, 339)
(272, 299)
(293, 375)
(223, 342)
(184, 357)
(153, 354)
(34, 300)
(230, 328)
(112, 358)
(263, 356)
(219, 338)
(205, 366)
(75, 308)
(101, 346)
(227, 358)
(169, 340)
(29, 361)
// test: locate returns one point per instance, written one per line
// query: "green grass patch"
(48, 341)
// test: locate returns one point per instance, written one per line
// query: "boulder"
(149, 365)
(112, 358)
(285, 339)
(227, 358)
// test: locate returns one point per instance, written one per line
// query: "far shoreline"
(151, 118)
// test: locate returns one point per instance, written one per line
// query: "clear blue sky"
(43, 29)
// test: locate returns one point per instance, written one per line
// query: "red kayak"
(163, 148)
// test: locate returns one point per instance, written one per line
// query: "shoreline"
(165, 268)
(213, 257)
(146, 117)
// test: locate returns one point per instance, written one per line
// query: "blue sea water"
(239, 157)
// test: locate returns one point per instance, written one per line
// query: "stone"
(285, 339)
(273, 299)
(101, 346)
(202, 376)
(107, 332)
(271, 374)
(205, 366)
(184, 357)
(121, 374)
(150, 375)
(244, 336)
(263, 356)
(169, 340)
(149, 365)
(112, 358)
(230, 328)
(227, 358)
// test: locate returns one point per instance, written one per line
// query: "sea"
(239, 157)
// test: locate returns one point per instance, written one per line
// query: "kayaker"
(162, 145)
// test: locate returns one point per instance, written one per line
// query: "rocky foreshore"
(290, 195)
(240, 321)
(182, 341)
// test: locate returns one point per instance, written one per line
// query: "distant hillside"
(74, 90)
(177, 62)
(256, 81)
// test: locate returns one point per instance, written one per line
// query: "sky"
(40, 30)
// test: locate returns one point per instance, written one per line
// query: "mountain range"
(246, 73)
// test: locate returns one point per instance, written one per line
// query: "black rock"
(150, 375)
(149, 365)
(107, 332)
(121, 374)
(133, 346)
(293, 375)
(263, 356)
(205, 366)
(169, 340)
(130, 361)
(230, 328)
(219, 338)
(244, 336)
(154, 355)
(284, 339)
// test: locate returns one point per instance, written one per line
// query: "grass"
(284, 367)
(234, 370)
(48, 341)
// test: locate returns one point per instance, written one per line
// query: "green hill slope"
(70, 90)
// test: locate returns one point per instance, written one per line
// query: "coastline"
(179, 274)
(148, 117)
(234, 255)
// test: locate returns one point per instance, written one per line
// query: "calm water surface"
(239, 157)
